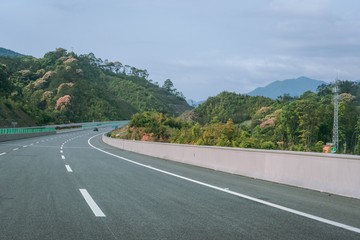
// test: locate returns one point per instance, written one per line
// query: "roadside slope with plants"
(64, 87)
(235, 120)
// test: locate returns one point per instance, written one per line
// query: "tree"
(286, 98)
(357, 138)
(289, 123)
(117, 67)
(51, 58)
(347, 121)
(168, 85)
(4, 82)
(308, 122)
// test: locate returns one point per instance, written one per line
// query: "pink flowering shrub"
(70, 60)
(62, 103)
(270, 122)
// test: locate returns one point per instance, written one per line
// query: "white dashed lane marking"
(92, 204)
(68, 168)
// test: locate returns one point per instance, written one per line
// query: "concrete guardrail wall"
(10, 137)
(331, 173)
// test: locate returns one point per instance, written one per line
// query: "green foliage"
(8, 53)
(299, 124)
(156, 126)
(356, 137)
(62, 87)
(318, 146)
(267, 145)
(4, 81)
(145, 96)
(230, 105)
(168, 85)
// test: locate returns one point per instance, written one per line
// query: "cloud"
(203, 46)
(75, 6)
(299, 8)
(256, 64)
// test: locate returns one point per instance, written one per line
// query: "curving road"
(73, 186)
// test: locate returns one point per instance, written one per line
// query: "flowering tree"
(63, 102)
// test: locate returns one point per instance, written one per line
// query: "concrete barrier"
(10, 137)
(336, 174)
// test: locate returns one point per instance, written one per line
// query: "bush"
(318, 146)
(267, 145)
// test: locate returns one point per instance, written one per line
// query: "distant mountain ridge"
(9, 53)
(293, 87)
(194, 103)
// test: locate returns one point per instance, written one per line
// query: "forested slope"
(64, 87)
(287, 123)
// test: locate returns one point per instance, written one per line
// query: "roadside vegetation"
(300, 124)
(65, 87)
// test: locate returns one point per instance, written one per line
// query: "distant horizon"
(202, 100)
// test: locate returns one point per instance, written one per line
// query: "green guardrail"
(55, 127)
(26, 130)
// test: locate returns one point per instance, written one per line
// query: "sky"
(203, 46)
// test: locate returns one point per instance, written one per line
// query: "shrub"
(267, 145)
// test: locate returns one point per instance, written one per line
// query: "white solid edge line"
(68, 168)
(286, 209)
(92, 204)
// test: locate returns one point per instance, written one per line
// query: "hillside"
(235, 120)
(63, 87)
(293, 87)
(227, 105)
(12, 117)
(9, 53)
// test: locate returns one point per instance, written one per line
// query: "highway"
(73, 186)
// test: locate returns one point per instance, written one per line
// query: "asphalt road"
(73, 186)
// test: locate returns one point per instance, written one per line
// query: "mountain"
(293, 87)
(63, 87)
(9, 53)
(194, 103)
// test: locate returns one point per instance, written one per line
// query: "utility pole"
(335, 137)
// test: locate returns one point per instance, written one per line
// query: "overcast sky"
(203, 46)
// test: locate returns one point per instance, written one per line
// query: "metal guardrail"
(26, 130)
(53, 128)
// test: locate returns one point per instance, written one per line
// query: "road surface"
(73, 186)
